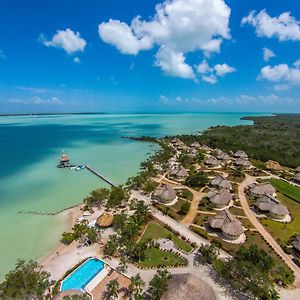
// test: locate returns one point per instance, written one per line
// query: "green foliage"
(136, 287)
(119, 221)
(207, 254)
(117, 195)
(250, 271)
(80, 231)
(77, 297)
(184, 209)
(198, 179)
(185, 194)
(96, 197)
(26, 281)
(111, 246)
(112, 290)
(159, 284)
(270, 138)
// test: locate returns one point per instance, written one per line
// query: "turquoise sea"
(29, 180)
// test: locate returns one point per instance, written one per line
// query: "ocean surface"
(30, 181)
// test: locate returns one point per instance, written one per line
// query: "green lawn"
(172, 211)
(286, 189)
(200, 218)
(155, 231)
(236, 211)
(157, 258)
(280, 231)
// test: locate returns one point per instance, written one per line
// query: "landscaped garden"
(286, 189)
(155, 231)
(176, 211)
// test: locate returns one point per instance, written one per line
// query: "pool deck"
(100, 289)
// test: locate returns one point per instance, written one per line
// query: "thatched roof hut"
(269, 204)
(296, 243)
(180, 172)
(297, 170)
(230, 226)
(242, 162)
(212, 162)
(261, 189)
(188, 286)
(105, 220)
(219, 198)
(240, 154)
(297, 177)
(164, 193)
(195, 145)
(223, 156)
(273, 165)
(221, 182)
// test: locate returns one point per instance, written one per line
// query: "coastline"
(71, 215)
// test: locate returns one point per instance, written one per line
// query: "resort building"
(64, 161)
(229, 225)
(180, 173)
(212, 162)
(105, 220)
(296, 244)
(172, 162)
(297, 170)
(188, 286)
(241, 162)
(221, 182)
(164, 194)
(269, 205)
(297, 178)
(219, 199)
(240, 154)
(223, 156)
(260, 189)
(196, 145)
(273, 165)
(205, 148)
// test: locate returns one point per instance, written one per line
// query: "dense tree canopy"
(27, 282)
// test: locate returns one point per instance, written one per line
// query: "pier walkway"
(101, 176)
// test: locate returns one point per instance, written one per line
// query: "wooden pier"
(100, 176)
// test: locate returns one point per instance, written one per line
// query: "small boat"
(73, 168)
(79, 168)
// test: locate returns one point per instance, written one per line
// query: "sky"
(149, 56)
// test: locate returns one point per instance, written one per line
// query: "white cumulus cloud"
(284, 27)
(210, 74)
(173, 63)
(67, 39)
(268, 54)
(282, 74)
(177, 27)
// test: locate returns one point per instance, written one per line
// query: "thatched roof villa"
(105, 220)
(240, 154)
(296, 244)
(195, 145)
(221, 182)
(219, 198)
(212, 162)
(179, 173)
(223, 156)
(230, 226)
(273, 165)
(297, 170)
(164, 193)
(270, 205)
(297, 177)
(260, 189)
(188, 286)
(241, 162)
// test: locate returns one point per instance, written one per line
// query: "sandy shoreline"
(72, 215)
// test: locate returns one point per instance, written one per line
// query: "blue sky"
(179, 55)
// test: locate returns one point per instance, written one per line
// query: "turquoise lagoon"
(29, 179)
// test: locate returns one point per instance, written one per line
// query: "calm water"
(29, 179)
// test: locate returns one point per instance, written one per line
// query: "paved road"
(261, 229)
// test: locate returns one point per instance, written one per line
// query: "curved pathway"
(261, 229)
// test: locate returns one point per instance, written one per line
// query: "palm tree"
(136, 286)
(112, 290)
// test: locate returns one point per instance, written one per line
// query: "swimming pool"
(79, 278)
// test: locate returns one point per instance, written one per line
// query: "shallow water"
(29, 179)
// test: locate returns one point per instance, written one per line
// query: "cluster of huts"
(297, 175)
(220, 158)
(266, 201)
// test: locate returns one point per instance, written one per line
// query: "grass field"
(236, 211)
(157, 258)
(286, 189)
(155, 231)
(280, 231)
(200, 218)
